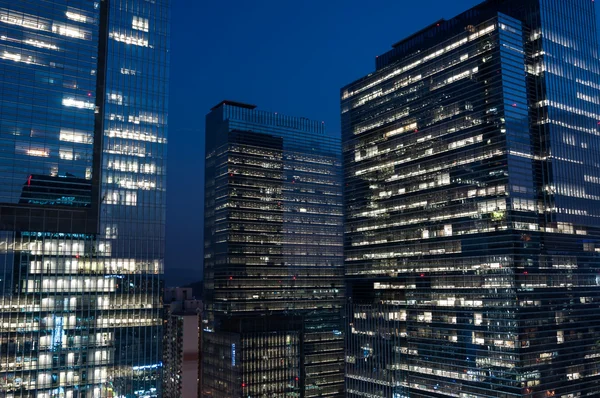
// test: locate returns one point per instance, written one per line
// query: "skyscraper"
(471, 160)
(83, 108)
(273, 265)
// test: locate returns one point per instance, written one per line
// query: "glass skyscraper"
(273, 266)
(83, 112)
(472, 205)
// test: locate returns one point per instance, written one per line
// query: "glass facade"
(273, 272)
(83, 88)
(48, 64)
(133, 195)
(471, 199)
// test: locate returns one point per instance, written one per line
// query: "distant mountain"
(197, 289)
(177, 277)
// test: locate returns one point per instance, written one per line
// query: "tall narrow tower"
(83, 113)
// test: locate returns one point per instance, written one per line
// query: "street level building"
(181, 343)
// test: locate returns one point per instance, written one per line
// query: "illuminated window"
(140, 24)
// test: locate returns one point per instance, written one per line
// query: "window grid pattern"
(273, 248)
(48, 62)
(464, 273)
(81, 298)
(133, 195)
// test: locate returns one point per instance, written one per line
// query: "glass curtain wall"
(83, 88)
(273, 256)
(471, 227)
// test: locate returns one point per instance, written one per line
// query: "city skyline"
(288, 57)
(314, 49)
(409, 210)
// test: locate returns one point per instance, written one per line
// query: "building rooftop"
(233, 103)
(425, 29)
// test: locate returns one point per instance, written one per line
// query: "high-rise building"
(472, 205)
(181, 343)
(273, 265)
(83, 108)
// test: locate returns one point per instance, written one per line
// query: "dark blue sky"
(287, 56)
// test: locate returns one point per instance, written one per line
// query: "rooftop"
(233, 103)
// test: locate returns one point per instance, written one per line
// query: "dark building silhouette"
(42, 190)
(472, 193)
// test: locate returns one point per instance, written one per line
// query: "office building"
(273, 267)
(181, 343)
(83, 107)
(472, 200)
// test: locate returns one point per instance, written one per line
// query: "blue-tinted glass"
(471, 183)
(83, 109)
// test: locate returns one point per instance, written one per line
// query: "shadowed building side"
(273, 272)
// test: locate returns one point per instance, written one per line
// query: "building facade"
(181, 343)
(472, 208)
(83, 108)
(273, 256)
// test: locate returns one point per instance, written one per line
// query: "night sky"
(286, 56)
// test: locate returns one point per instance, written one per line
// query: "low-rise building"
(181, 343)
